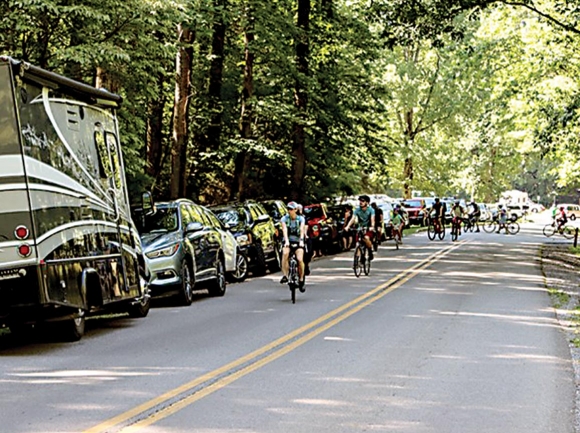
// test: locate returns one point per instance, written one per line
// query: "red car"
(322, 228)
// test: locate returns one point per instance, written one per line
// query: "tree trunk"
(216, 78)
(155, 132)
(243, 159)
(301, 101)
(105, 79)
(183, 65)
(408, 176)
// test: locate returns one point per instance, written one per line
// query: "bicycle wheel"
(568, 232)
(293, 279)
(513, 228)
(367, 262)
(490, 226)
(454, 232)
(358, 256)
(293, 292)
(468, 226)
(441, 233)
(549, 230)
(431, 232)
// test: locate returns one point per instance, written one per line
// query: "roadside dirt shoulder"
(561, 271)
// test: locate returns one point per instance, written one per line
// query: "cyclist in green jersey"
(366, 220)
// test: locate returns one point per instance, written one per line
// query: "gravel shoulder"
(562, 278)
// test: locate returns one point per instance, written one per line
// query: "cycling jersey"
(293, 226)
(364, 216)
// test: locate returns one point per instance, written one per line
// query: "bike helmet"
(292, 205)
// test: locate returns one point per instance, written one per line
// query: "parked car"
(322, 227)
(515, 211)
(572, 210)
(486, 214)
(254, 231)
(535, 207)
(185, 251)
(414, 208)
(276, 209)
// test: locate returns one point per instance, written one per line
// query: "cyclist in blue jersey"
(294, 232)
(365, 215)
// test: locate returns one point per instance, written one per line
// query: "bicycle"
(293, 276)
(455, 228)
(433, 230)
(565, 230)
(470, 224)
(511, 227)
(361, 261)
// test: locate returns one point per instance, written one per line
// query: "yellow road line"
(352, 307)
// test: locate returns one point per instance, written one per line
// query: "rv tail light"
(24, 250)
(21, 232)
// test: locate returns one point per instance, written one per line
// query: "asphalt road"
(441, 337)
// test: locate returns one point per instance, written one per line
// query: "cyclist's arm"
(351, 222)
(285, 233)
(302, 233)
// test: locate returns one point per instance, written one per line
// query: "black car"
(254, 231)
(184, 250)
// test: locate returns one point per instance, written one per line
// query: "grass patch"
(559, 297)
(574, 250)
(575, 342)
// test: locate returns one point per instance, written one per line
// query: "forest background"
(308, 99)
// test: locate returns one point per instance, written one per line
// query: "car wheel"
(187, 282)
(141, 308)
(218, 286)
(241, 271)
(73, 329)
(573, 217)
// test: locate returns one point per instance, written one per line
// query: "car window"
(213, 220)
(163, 220)
(231, 217)
(185, 215)
(412, 203)
(197, 215)
(313, 212)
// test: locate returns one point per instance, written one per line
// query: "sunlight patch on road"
(321, 402)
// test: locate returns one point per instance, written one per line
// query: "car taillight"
(21, 232)
(24, 250)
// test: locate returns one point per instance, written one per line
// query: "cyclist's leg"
(369, 243)
(285, 265)
(300, 259)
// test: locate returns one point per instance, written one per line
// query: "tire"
(513, 228)
(431, 232)
(358, 255)
(454, 232)
(241, 271)
(549, 230)
(187, 284)
(573, 217)
(441, 233)
(568, 232)
(140, 309)
(489, 226)
(72, 329)
(218, 286)
(293, 293)
(367, 263)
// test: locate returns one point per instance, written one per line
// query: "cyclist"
(457, 213)
(474, 215)
(437, 214)
(366, 219)
(379, 222)
(293, 229)
(502, 219)
(397, 225)
(561, 218)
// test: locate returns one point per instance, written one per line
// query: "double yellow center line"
(178, 398)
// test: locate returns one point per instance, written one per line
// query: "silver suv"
(184, 249)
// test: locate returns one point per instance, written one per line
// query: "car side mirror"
(193, 227)
(147, 203)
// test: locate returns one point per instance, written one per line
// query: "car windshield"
(163, 220)
(412, 203)
(313, 212)
(230, 217)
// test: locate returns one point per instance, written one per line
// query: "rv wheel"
(73, 329)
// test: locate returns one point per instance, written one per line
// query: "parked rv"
(68, 246)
